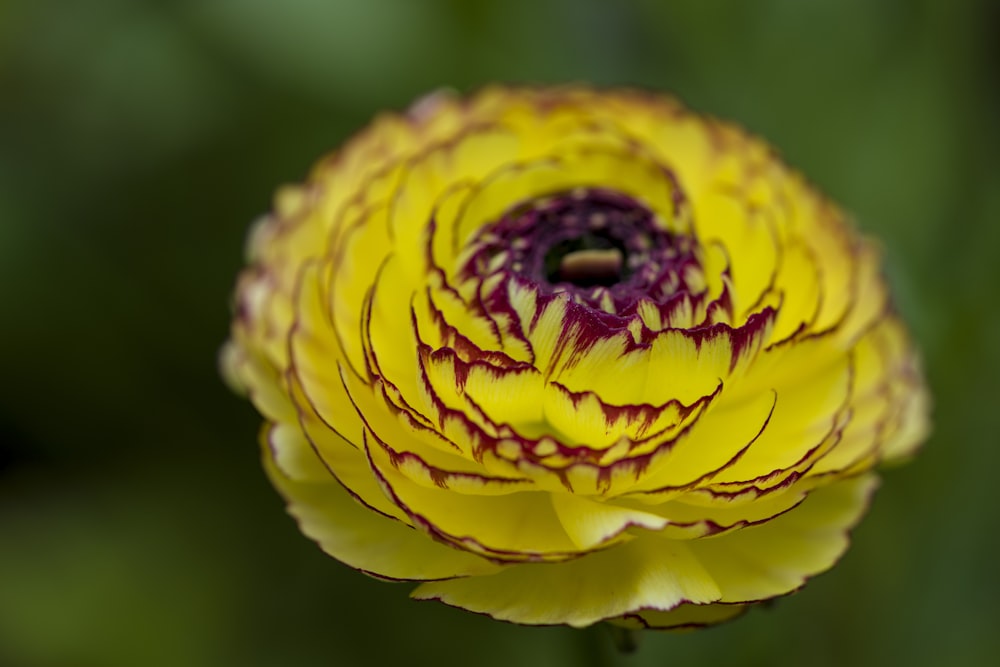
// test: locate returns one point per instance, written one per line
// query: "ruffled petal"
(643, 574)
(571, 356)
(777, 557)
(683, 617)
(363, 539)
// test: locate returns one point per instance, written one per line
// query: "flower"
(567, 355)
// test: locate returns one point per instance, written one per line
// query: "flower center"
(586, 261)
(592, 243)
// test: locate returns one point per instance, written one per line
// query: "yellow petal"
(589, 522)
(712, 443)
(430, 177)
(675, 365)
(684, 617)
(689, 516)
(366, 540)
(316, 357)
(489, 395)
(513, 526)
(644, 573)
(292, 453)
(888, 406)
(420, 453)
(582, 418)
(812, 386)
(352, 272)
(749, 238)
(311, 440)
(261, 381)
(589, 164)
(799, 285)
(778, 556)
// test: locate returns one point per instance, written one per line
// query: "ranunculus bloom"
(568, 355)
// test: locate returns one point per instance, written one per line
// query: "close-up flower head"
(569, 355)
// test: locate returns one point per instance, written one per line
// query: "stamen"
(592, 266)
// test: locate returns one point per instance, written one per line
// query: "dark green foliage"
(138, 140)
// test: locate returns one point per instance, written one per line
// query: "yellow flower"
(568, 355)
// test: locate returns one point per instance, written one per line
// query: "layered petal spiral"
(570, 355)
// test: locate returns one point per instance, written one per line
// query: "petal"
(292, 453)
(812, 383)
(261, 381)
(644, 573)
(589, 522)
(750, 239)
(430, 178)
(517, 526)
(798, 283)
(364, 539)
(715, 441)
(872, 406)
(690, 516)
(316, 357)
(777, 557)
(422, 454)
(684, 617)
(683, 365)
(624, 169)
(889, 408)
(915, 424)
(583, 418)
(297, 449)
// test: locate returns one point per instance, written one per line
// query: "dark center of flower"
(594, 244)
(586, 261)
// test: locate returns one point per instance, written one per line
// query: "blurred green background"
(139, 139)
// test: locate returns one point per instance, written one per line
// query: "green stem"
(625, 640)
(599, 651)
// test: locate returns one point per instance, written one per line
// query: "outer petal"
(684, 617)
(657, 574)
(551, 456)
(362, 538)
(642, 574)
(777, 557)
(518, 526)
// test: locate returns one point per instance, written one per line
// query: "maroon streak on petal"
(740, 337)
(292, 375)
(371, 359)
(401, 407)
(574, 452)
(399, 456)
(788, 475)
(440, 477)
(438, 283)
(847, 532)
(709, 474)
(461, 346)
(505, 318)
(413, 419)
(463, 368)
(800, 467)
(269, 429)
(467, 542)
(632, 413)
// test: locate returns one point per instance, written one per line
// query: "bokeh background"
(139, 139)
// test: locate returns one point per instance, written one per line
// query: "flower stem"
(624, 639)
(602, 653)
